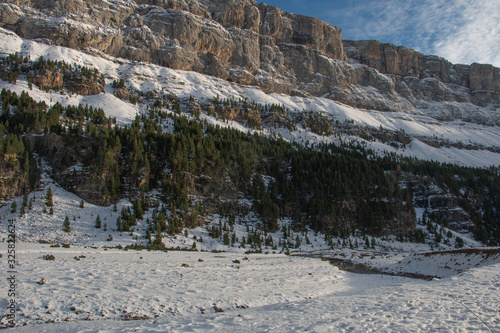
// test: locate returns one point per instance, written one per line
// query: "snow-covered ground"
(273, 292)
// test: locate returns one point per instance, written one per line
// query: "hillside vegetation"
(201, 169)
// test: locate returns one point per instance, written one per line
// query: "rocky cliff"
(481, 81)
(254, 44)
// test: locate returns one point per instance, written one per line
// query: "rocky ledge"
(255, 44)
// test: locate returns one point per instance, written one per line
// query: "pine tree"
(13, 207)
(297, 242)
(98, 222)
(48, 198)
(119, 224)
(66, 226)
(226, 238)
(82, 204)
(158, 243)
(25, 201)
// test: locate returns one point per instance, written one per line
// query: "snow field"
(115, 284)
(266, 293)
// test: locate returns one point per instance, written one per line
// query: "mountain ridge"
(255, 44)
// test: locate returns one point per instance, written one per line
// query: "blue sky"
(462, 31)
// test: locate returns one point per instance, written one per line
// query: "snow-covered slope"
(421, 125)
(447, 263)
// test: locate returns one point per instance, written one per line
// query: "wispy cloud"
(476, 35)
(462, 31)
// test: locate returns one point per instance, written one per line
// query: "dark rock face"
(442, 206)
(254, 44)
(13, 181)
(62, 153)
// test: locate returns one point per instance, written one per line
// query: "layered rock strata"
(255, 44)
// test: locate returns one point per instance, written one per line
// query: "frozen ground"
(264, 293)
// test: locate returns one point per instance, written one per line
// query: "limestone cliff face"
(249, 43)
(482, 81)
(402, 61)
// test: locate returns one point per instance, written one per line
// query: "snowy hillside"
(447, 263)
(479, 141)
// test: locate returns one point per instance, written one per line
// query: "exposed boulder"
(122, 93)
(9, 14)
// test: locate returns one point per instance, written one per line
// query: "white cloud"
(476, 37)
(462, 31)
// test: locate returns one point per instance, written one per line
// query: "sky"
(462, 31)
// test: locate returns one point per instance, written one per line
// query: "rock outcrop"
(255, 44)
(82, 84)
(61, 154)
(443, 80)
(47, 79)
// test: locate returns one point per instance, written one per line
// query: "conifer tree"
(66, 225)
(82, 204)
(226, 238)
(158, 243)
(98, 222)
(119, 223)
(48, 198)
(13, 207)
